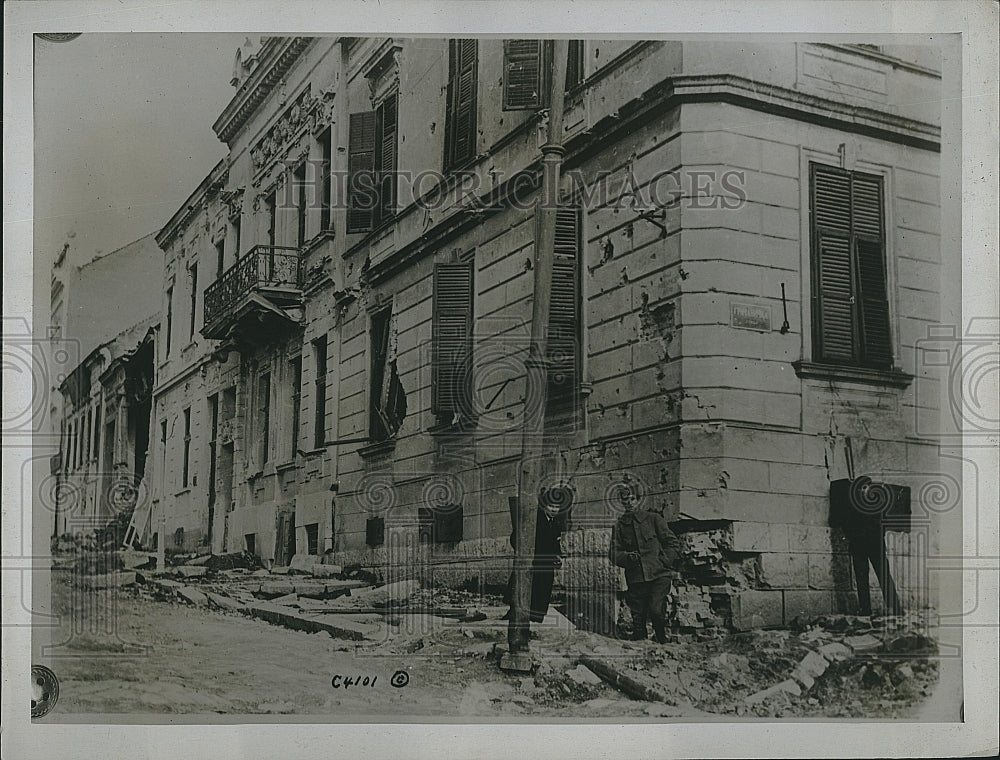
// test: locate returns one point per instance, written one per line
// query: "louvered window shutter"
(452, 329)
(563, 337)
(833, 291)
(460, 125)
(851, 311)
(385, 130)
(524, 74)
(873, 303)
(361, 194)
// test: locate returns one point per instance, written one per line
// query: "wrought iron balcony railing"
(264, 266)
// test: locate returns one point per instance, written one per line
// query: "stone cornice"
(729, 88)
(276, 58)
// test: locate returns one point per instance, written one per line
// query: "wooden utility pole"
(532, 447)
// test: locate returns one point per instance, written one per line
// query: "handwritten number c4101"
(346, 682)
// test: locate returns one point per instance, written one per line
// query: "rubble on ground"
(881, 664)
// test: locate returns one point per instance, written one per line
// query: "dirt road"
(164, 657)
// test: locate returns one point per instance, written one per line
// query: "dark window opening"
(299, 186)
(319, 392)
(169, 322)
(220, 258)
(387, 401)
(440, 525)
(251, 542)
(375, 531)
(326, 146)
(312, 538)
(186, 469)
(295, 365)
(264, 417)
(194, 300)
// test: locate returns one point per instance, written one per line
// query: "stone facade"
(699, 386)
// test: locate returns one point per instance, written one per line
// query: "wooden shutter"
(869, 250)
(385, 130)
(563, 338)
(361, 172)
(460, 125)
(524, 74)
(452, 328)
(834, 329)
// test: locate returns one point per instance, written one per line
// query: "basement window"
(312, 538)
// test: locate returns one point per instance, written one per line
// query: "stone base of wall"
(733, 575)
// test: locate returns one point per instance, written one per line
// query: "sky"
(123, 134)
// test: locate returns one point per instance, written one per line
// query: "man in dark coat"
(642, 543)
(551, 520)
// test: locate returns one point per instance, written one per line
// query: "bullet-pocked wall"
(700, 383)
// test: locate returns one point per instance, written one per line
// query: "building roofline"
(210, 185)
(277, 56)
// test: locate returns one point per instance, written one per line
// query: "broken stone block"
(788, 686)
(803, 679)
(391, 592)
(276, 588)
(863, 644)
(583, 675)
(901, 673)
(813, 664)
(223, 602)
(835, 651)
(276, 570)
(911, 643)
(301, 564)
(191, 571)
(326, 571)
(192, 595)
(260, 573)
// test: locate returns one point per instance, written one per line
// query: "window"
(387, 401)
(263, 417)
(371, 166)
(319, 392)
(460, 118)
(251, 542)
(312, 538)
(186, 472)
(220, 258)
(236, 222)
(850, 299)
(451, 335)
(574, 64)
(163, 456)
(169, 322)
(194, 300)
(271, 203)
(564, 337)
(326, 168)
(299, 186)
(527, 72)
(295, 364)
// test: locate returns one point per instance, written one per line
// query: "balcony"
(259, 295)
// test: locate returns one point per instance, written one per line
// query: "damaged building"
(744, 265)
(103, 405)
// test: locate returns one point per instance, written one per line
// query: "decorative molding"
(382, 70)
(276, 57)
(278, 140)
(840, 373)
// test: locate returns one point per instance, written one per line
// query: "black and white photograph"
(500, 376)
